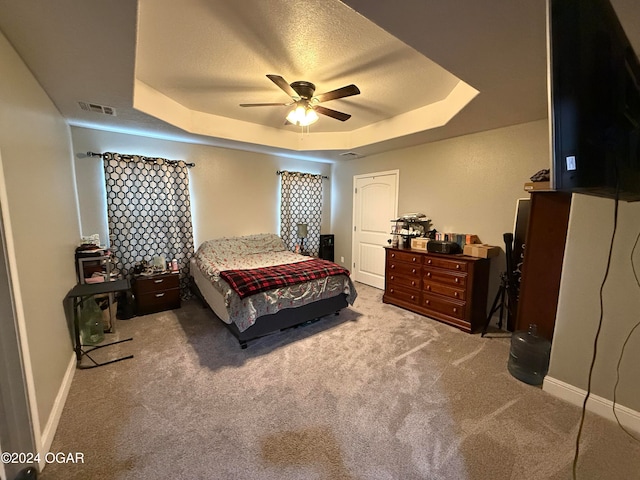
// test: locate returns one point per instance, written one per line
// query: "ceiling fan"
(306, 102)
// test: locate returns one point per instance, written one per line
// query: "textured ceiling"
(210, 56)
(178, 70)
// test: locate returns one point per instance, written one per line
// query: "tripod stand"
(506, 298)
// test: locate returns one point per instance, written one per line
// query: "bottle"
(529, 356)
(91, 325)
(174, 265)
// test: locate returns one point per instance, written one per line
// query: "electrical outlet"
(341, 259)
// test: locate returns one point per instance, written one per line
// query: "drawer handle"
(428, 302)
(393, 255)
(457, 266)
(429, 261)
(414, 259)
(455, 310)
(457, 280)
(391, 277)
(158, 295)
(428, 274)
(412, 297)
(393, 266)
(159, 281)
(413, 270)
(455, 294)
(391, 290)
(429, 287)
(413, 284)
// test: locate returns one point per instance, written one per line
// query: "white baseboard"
(629, 419)
(56, 412)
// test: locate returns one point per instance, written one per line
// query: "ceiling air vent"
(94, 107)
(350, 155)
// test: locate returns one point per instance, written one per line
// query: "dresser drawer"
(156, 283)
(395, 280)
(406, 295)
(406, 269)
(449, 264)
(445, 277)
(444, 306)
(446, 290)
(158, 301)
(407, 257)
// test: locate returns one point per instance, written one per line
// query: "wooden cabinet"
(542, 265)
(449, 288)
(156, 293)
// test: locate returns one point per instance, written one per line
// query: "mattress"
(227, 305)
(212, 296)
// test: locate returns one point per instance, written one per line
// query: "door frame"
(18, 409)
(354, 249)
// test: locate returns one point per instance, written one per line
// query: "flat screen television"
(594, 107)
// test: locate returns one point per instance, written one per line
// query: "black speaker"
(326, 247)
(442, 246)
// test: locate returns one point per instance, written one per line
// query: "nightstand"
(155, 293)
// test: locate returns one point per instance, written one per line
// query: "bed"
(257, 287)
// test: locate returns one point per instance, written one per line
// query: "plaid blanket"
(255, 280)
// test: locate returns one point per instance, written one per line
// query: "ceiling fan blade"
(332, 113)
(347, 91)
(263, 104)
(282, 83)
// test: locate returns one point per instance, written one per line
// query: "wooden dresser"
(449, 288)
(156, 293)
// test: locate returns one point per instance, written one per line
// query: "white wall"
(38, 170)
(590, 228)
(232, 192)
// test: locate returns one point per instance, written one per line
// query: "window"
(301, 202)
(149, 211)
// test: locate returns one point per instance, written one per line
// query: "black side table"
(79, 294)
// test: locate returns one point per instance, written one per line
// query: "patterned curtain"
(301, 202)
(149, 211)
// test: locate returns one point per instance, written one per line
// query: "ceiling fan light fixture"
(302, 116)
(307, 106)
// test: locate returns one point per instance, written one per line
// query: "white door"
(375, 204)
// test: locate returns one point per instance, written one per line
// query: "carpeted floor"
(376, 392)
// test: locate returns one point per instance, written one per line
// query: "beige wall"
(467, 184)
(471, 184)
(38, 170)
(233, 192)
(589, 235)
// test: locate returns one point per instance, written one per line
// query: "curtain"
(301, 202)
(149, 212)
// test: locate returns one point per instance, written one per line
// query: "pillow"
(231, 246)
(261, 243)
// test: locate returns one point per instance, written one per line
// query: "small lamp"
(302, 234)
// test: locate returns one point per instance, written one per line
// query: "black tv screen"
(594, 79)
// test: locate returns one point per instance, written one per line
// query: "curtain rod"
(278, 172)
(141, 157)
